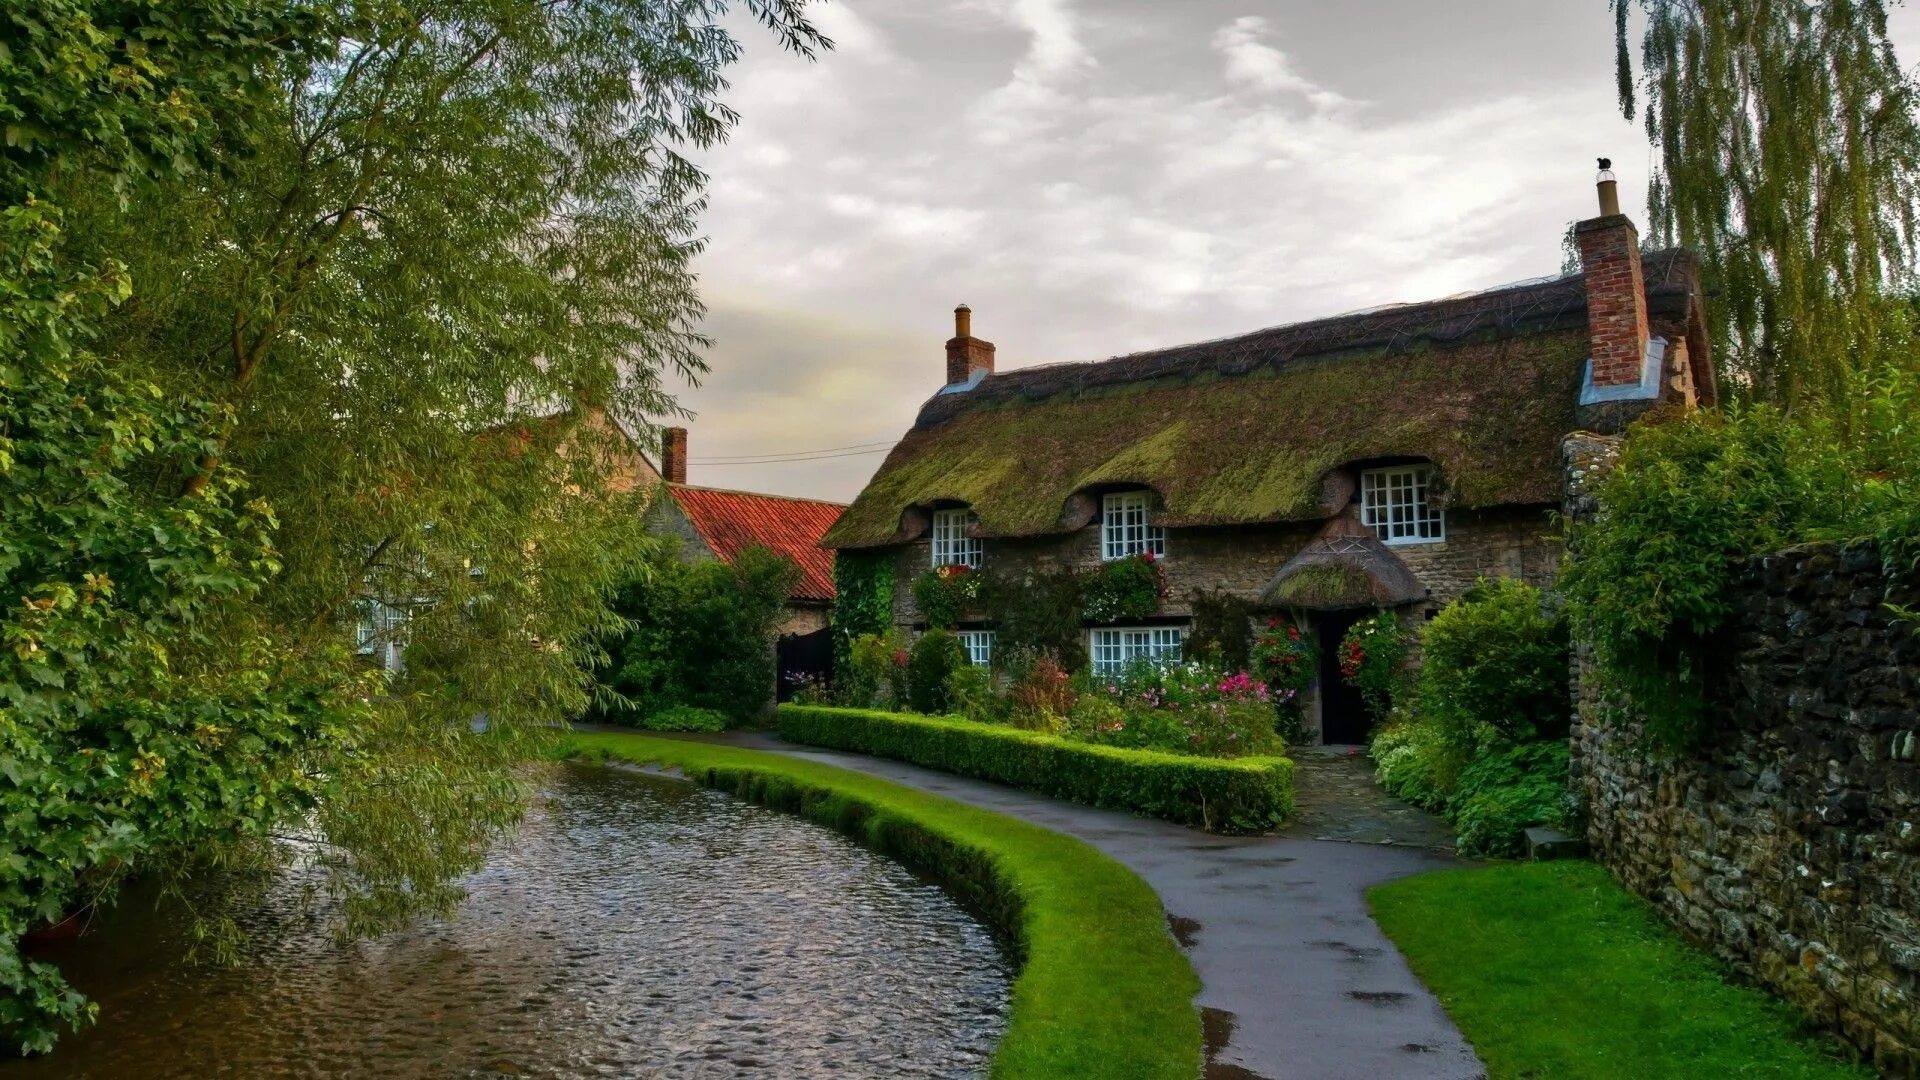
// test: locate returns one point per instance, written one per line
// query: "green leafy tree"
(317, 264)
(699, 635)
(1787, 155)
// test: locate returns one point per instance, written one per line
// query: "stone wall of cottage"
(805, 618)
(1789, 843)
(1504, 542)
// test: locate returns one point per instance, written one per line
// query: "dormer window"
(951, 544)
(1393, 503)
(1124, 531)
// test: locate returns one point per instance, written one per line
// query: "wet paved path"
(1299, 983)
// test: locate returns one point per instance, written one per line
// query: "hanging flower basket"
(1124, 590)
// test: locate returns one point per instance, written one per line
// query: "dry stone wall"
(1789, 844)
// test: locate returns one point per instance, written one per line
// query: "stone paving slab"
(1299, 982)
(1337, 799)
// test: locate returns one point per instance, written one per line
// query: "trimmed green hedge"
(1224, 795)
(1103, 990)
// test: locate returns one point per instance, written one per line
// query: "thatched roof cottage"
(1388, 458)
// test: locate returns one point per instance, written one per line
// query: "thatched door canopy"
(1346, 566)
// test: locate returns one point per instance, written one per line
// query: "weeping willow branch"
(1786, 155)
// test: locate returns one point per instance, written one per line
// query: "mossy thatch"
(1344, 567)
(1247, 429)
(1324, 587)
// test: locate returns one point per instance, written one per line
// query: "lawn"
(1554, 970)
(1103, 989)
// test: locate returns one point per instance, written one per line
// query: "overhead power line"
(794, 455)
(783, 460)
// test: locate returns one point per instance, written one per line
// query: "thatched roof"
(1346, 566)
(1252, 428)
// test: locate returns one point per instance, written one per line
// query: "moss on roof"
(1489, 408)
(1329, 586)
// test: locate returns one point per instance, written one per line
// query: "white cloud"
(1093, 182)
(1252, 61)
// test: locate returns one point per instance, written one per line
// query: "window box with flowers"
(946, 593)
(1124, 590)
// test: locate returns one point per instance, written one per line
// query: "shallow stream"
(637, 927)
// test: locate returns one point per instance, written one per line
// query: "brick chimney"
(673, 455)
(966, 354)
(1616, 291)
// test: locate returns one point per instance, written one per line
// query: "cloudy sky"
(1096, 177)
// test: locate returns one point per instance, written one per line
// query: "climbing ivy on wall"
(863, 600)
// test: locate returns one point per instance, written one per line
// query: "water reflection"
(638, 927)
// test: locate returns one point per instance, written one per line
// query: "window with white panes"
(381, 633)
(1124, 530)
(1393, 503)
(1113, 648)
(951, 544)
(979, 645)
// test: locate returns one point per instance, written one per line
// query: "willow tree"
(1786, 154)
(302, 302)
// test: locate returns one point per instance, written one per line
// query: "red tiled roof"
(732, 521)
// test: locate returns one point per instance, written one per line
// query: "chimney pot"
(1609, 189)
(962, 321)
(673, 455)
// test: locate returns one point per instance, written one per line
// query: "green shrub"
(1246, 795)
(1490, 794)
(1495, 657)
(1416, 762)
(1500, 794)
(700, 634)
(875, 675)
(970, 693)
(935, 656)
(685, 718)
(1092, 717)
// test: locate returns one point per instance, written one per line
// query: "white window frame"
(952, 545)
(1112, 648)
(1125, 530)
(979, 646)
(381, 632)
(1393, 503)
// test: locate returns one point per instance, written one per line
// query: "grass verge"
(1103, 990)
(1554, 970)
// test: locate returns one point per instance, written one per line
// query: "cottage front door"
(1343, 712)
